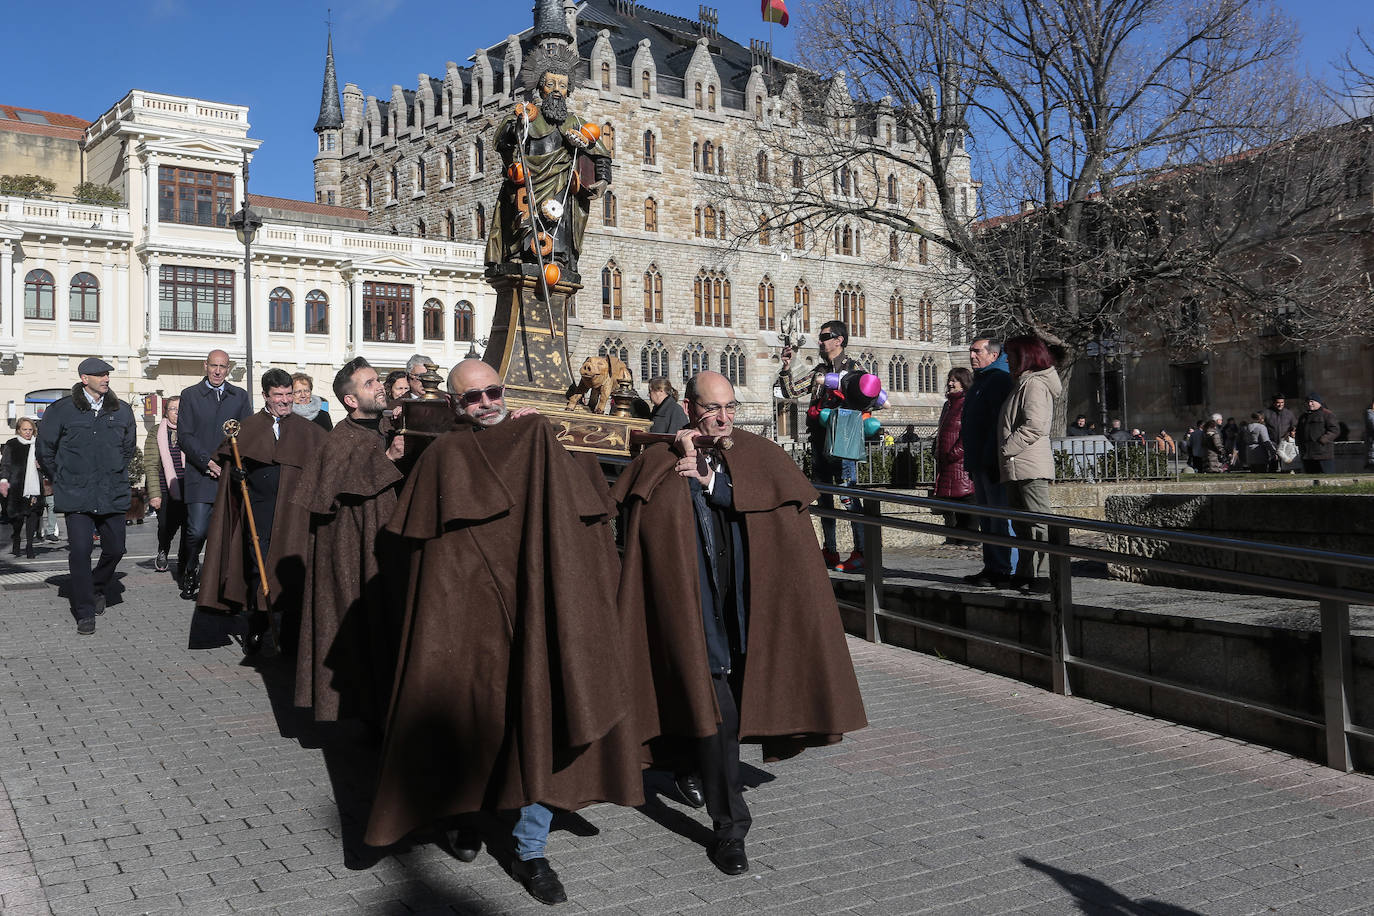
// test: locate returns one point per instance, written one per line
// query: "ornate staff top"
(231, 428)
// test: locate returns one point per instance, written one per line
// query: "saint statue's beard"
(555, 108)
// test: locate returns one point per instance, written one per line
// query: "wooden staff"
(722, 443)
(231, 429)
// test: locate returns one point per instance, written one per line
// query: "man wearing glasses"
(825, 468)
(415, 368)
(520, 687)
(746, 641)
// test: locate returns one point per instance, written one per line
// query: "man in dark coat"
(346, 654)
(274, 445)
(1278, 420)
(513, 690)
(982, 408)
(746, 643)
(1317, 435)
(84, 445)
(205, 406)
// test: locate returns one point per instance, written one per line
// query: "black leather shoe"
(462, 844)
(689, 787)
(85, 626)
(729, 857)
(190, 583)
(99, 605)
(539, 879)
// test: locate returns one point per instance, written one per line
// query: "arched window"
(479, 221)
(708, 157)
(610, 293)
(892, 247)
(768, 320)
(732, 364)
(761, 167)
(462, 320)
(650, 148)
(858, 243)
(395, 183)
(83, 303)
(367, 191)
(870, 363)
(796, 172)
(926, 319)
(697, 96)
(711, 98)
(279, 310)
(608, 137)
(653, 360)
(450, 226)
(644, 84)
(765, 230)
(420, 230)
(696, 156)
(850, 307)
(923, 251)
(605, 75)
(653, 297)
(921, 194)
(710, 222)
(614, 346)
(891, 188)
(696, 221)
(720, 160)
(650, 215)
(711, 299)
(847, 239)
(801, 299)
(448, 165)
(433, 317)
(694, 359)
(896, 317)
(479, 156)
(316, 312)
(798, 236)
(925, 376)
(608, 208)
(421, 173)
(898, 375)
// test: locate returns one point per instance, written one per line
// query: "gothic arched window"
(611, 308)
(653, 297)
(732, 364)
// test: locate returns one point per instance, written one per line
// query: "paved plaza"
(137, 776)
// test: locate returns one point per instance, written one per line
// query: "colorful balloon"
(872, 426)
(882, 399)
(870, 385)
(825, 415)
(832, 380)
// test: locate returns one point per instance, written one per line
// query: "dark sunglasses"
(823, 336)
(474, 395)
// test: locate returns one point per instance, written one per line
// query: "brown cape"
(350, 613)
(799, 686)
(513, 685)
(223, 580)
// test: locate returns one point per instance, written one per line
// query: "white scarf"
(31, 487)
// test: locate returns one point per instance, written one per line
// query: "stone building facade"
(664, 288)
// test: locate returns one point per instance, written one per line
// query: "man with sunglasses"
(746, 640)
(520, 689)
(825, 468)
(346, 656)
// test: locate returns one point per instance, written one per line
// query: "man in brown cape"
(275, 445)
(746, 643)
(516, 688)
(346, 653)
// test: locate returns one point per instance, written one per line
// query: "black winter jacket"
(86, 454)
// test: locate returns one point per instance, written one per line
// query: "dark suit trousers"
(718, 764)
(85, 584)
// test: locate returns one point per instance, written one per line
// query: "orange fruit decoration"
(591, 132)
(516, 173)
(552, 274)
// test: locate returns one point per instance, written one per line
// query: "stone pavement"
(137, 776)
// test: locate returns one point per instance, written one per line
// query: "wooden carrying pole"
(231, 429)
(722, 443)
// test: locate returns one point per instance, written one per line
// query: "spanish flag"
(774, 11)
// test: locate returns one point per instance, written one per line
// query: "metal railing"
(1334, 597)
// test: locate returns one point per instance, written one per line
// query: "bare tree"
(1133, 155)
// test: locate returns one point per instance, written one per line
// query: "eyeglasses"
(823, 336)
(728, 409)
(475, 395)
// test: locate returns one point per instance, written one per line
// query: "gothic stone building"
(664, 290)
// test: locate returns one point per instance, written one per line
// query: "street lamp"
(246, 224)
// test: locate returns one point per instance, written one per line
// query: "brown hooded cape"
(514, 684)
(223, 580)
(350, 611)
(799, 686)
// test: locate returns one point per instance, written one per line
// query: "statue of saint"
(555, 166)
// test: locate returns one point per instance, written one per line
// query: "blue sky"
(270, 55)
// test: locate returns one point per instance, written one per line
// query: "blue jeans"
(531, 832)
(197, 528)
(836, 472)
(988, 490)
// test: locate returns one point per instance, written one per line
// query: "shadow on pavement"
(659, 784)
(1097, 898)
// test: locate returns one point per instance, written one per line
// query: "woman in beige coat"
(1023, 436)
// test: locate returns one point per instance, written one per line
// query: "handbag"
(844, 434)
(1287, 451)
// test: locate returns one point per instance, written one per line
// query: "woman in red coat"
(951, 478)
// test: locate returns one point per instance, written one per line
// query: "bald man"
(205, 406)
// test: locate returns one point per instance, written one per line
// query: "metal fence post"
(873, 567)
(1061, 611)
(1336, 675)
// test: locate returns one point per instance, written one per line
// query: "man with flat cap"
(84, 445)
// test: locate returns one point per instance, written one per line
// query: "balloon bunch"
(862, 391)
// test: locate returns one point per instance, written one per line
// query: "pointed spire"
(331, 116)
(550, 24)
